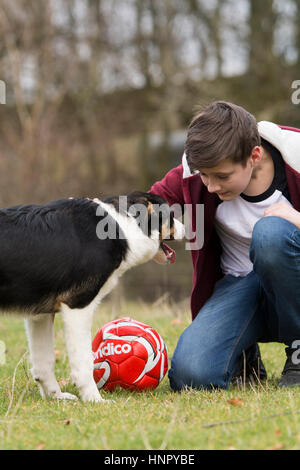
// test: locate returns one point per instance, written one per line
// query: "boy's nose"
(213, 188)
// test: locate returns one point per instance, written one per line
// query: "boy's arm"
(170, 187)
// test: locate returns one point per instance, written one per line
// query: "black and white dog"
(64, 257)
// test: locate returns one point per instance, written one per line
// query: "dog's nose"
(179, 230)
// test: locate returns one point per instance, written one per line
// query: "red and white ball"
(129, 354)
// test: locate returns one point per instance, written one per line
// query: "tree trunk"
(262, 60)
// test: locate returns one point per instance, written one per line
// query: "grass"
(252, 417)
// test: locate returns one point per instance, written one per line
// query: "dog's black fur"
(51, 253)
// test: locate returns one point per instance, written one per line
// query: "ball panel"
(130, 370)
(147, 383)
(139, 350)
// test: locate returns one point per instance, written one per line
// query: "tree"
(297, 35)
(262, 26)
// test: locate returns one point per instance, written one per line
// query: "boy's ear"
(256, 155)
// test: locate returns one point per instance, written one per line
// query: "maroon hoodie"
(176, 188)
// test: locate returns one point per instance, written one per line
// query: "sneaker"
(290, 376)
(255, 369)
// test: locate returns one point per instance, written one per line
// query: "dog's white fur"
(78, 322)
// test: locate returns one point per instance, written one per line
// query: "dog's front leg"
(78, 324)
(40, 335)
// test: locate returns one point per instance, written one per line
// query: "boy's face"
(228, 179)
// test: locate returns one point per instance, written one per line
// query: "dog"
(65, 257)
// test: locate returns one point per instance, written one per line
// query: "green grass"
(266, 416)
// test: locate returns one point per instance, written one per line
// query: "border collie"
(62, 257)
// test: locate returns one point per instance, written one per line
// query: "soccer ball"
(129, 354)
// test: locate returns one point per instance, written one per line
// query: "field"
(252, 417)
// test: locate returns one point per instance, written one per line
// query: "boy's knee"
(184, 373)
(269, 237)
(267, 231)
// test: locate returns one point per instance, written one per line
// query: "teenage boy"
(246, 282)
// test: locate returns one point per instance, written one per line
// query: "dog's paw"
(92, 396)
(65, 396)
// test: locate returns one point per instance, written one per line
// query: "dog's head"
(159, 223)
(156, 220)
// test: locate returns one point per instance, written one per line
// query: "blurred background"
(99, 94)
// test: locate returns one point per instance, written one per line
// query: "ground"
(259, 417)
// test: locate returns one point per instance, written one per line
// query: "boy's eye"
(223, 177)
(220, 177)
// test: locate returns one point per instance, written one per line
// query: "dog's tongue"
(169, 252)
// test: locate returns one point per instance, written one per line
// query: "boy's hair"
(222, 130)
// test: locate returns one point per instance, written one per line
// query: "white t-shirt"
(235, 219)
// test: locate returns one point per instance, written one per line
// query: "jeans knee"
(269, 237)
(185, 372)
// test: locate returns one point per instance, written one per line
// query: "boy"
(246, 282)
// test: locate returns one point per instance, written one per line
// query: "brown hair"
(222, 130)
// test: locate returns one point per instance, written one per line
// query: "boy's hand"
(285, 211)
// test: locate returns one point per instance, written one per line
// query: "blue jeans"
(263, 306)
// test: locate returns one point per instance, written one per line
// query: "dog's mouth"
(170, 254)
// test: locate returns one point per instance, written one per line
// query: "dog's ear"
(140, 206)
(167, 229)
(137, 197)
(163, 217)
(150, 208)
(160, 218)
(152, 213)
